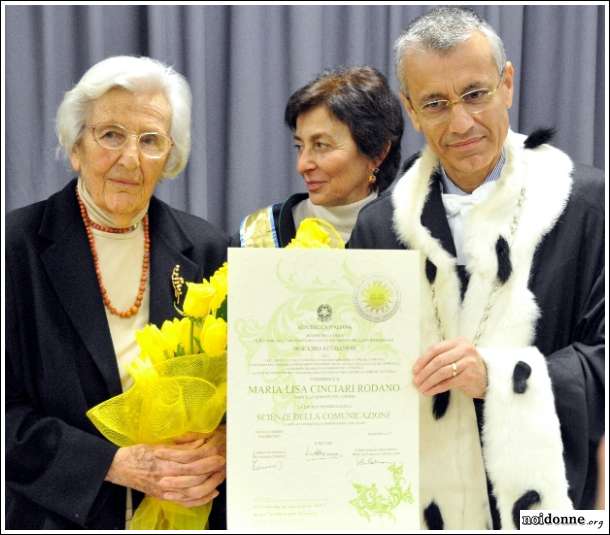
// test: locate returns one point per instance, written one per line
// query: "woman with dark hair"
(347, 126)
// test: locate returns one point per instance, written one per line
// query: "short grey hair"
(135, 75)
(442, 29)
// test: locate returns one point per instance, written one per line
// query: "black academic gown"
(564, 322)
(281, 228)
(60, 360)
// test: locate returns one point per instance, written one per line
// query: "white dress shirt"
(458, 203)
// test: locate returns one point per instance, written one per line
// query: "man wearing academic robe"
(511, 236)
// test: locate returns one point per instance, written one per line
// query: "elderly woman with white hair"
(85, 269)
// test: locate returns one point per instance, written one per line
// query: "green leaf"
(222, 310)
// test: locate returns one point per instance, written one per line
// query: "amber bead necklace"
(89, 225)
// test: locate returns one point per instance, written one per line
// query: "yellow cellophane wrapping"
(176, 396)
(160, 514)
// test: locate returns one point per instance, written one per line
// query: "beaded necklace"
(89, 225)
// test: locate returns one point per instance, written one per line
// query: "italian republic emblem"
(324, 312)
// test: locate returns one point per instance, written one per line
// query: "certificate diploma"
(323, 418)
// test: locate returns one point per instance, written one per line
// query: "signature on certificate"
(268, 460)
(316, 453)
(369, 460)
(265, 464)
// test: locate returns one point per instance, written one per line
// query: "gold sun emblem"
(377, 298)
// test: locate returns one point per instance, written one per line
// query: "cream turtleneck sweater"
(120, 259)
(343, 218)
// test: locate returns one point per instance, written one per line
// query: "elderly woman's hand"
(215, 442)
(186, 473)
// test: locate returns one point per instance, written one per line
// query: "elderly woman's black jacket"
(60, 359)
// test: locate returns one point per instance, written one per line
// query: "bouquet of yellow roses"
(180, 386)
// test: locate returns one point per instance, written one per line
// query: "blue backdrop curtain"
(244, 61)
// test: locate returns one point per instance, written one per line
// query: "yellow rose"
(141, 368)
(219, 283)
(153, 344)
(186, 336)
(316, 233)
(171, 333)
(214, 336)
(178, 334)
(198, 299)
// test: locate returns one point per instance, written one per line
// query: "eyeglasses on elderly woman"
(114, 137)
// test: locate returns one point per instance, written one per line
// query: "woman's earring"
(373, 176)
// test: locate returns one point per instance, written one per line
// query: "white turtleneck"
(120, 259)
(343, 218)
